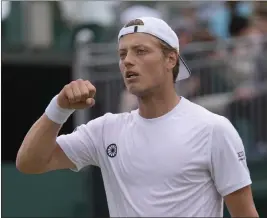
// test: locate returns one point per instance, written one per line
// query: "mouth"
(131, 75)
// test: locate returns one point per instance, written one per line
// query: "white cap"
(160, 29)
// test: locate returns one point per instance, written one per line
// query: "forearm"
(38, 146)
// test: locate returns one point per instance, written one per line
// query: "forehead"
(138, 39)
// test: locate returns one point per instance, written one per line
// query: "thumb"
(90, 102)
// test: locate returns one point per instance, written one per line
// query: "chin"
(137, 91)
(134, 90)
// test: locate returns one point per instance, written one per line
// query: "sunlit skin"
(141, 54)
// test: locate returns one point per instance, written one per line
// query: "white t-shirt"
(180, 164)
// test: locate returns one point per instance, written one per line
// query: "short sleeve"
(81, 145)
(228, 159)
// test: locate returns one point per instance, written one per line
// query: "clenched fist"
(78, 94)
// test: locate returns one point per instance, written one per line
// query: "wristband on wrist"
(57, 114)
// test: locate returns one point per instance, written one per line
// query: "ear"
(172, 60)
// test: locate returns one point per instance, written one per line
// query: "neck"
(158, 103)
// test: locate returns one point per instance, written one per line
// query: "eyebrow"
(133, 47)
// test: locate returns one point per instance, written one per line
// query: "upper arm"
(59, 160)
(79, 148)
(240, 203)
(229, 169)
(228, 159)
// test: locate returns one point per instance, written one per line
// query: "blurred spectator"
(187, 19)
(245, 46)
(260, 17)
(184, 34)
(204, 75)
(221, 16)
(238, 25)
(250, 98)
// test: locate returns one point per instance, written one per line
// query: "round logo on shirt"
(112, 150)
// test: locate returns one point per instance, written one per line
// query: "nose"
(128, 60)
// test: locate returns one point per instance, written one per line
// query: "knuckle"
(87, 82)
(93, 88)
(66, 87)
(94, 93)
(66, 91)
(72, 83)
(77, 93)
(90, 86)
(85, 94)
(69, 94)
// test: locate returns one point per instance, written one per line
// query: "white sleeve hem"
(68, 152)
(235, 187)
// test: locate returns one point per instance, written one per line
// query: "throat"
(157, 106)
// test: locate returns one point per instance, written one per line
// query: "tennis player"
(168, 158)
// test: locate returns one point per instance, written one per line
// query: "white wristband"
(57, 114)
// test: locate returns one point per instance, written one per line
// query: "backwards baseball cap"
(160, 29)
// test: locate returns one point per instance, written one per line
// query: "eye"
(122, 55)
(140, 51)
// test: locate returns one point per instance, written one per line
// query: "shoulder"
(222, 134)
(221, 130)
(201, 115)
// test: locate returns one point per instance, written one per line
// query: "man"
(168, 158)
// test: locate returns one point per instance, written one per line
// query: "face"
(143, 66)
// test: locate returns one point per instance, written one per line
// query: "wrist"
(57, 114)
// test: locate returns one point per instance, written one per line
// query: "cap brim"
(184, 71)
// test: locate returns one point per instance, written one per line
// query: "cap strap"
(133, 29)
